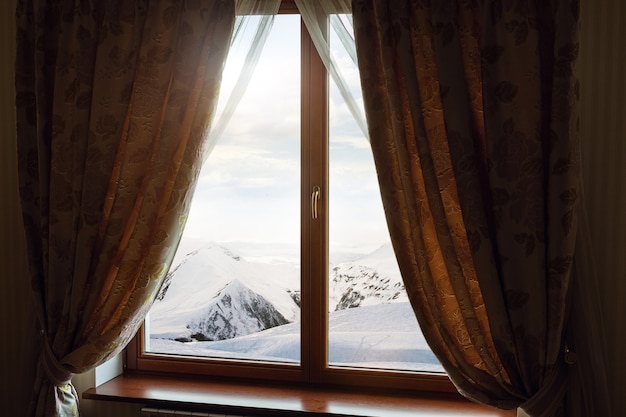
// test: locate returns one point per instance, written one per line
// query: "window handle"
(315, 196)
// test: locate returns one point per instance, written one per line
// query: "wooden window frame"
(313, 368)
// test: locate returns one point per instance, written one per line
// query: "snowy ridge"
(213, 282)
(260, 295)
(368, 280)
(236, 310)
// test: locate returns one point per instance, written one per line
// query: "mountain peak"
(235, 311)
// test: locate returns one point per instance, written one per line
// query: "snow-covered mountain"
(234, 311)
(369, 280)
(214, 293)
(233, 301)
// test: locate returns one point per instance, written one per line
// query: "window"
(285, 270)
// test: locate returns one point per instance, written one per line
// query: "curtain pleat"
(114, 101)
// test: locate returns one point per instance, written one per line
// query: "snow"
(235, 291)
(202, 274)
(359, 337)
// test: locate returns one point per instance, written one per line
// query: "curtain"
(472, 116)
(327, 20)
(255, 19)
(113, 100)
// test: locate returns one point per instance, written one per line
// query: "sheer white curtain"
(332, 19)
(255, 19)
(325, 20)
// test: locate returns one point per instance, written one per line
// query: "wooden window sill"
(250, 399)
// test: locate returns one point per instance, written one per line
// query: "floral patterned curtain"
(472, 115)
(114, 100)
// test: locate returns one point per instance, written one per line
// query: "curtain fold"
(114, 100)
(326, 21)
(255, 19)
(472, 117)
(588, 391)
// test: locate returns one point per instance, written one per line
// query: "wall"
(14, 295)
(603, 124)
(603, 129)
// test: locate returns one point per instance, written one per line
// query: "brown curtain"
(114, 99)
(472, 114)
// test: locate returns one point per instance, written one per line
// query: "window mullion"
(314, 120)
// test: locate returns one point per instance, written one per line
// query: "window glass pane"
(371, 323)
(235, 284)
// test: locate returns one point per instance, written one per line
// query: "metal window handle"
(315, 196)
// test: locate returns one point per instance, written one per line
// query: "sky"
(249, 186)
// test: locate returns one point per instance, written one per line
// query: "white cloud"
(244, 166)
